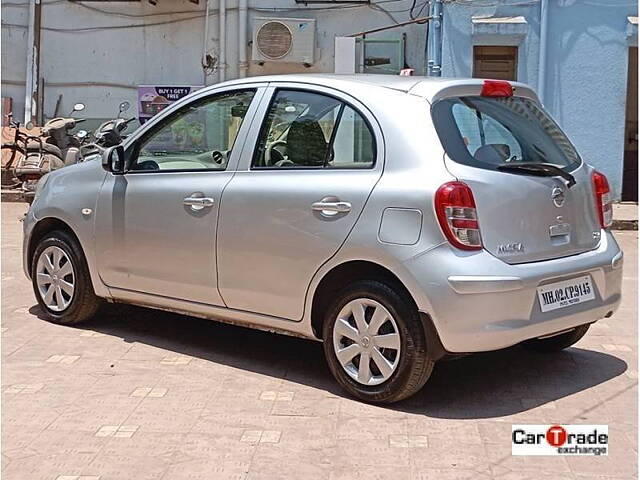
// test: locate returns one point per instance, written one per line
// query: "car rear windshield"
(488, 132)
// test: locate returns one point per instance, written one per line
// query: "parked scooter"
(108, 133)
(38, 155)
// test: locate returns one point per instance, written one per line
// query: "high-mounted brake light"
(456, 211)
(496, 88)
(604, 202)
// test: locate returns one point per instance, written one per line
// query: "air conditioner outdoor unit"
(284, 40)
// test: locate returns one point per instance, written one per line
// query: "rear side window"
(310, 130)
(489, 132)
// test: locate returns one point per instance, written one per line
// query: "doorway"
(498, 62)
(630, 166)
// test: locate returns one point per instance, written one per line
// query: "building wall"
(586, 69)
(121, 45)
(97, 53)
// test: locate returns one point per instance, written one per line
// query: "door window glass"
(200, 136)
(353, 145)
(310, 130)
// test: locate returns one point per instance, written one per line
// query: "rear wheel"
(61, 280)
(374, 343)
(557, 342)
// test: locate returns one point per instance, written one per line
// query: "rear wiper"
(539, 169)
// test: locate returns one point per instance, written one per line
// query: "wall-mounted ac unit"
(284, 40)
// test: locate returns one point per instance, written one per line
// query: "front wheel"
(61, 280)
(374, 343)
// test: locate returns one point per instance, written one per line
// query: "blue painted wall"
(586, 68)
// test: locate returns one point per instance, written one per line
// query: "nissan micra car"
(399, 220)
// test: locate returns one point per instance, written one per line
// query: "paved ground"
(150, 395)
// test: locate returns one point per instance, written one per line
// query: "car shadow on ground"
(485, 385)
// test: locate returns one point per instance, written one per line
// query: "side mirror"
(113, 159)
(78, 107)
(123, 107)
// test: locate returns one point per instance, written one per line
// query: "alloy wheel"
(55, 278)
(366, 341)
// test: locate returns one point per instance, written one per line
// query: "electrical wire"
(198, 14)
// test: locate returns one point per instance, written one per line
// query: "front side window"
(200, 136)
(310, 130)
(489, 132)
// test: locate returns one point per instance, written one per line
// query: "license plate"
(566, 293)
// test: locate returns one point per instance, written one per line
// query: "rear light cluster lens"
(496, 88)
(456, 211)
(604, 201)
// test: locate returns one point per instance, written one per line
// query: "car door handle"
(331, 208)
(198, 203)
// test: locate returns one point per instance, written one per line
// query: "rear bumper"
(479, 303)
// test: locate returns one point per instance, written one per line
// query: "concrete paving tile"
(307, 406)
(37, 468)
(216, 447)
(501, 473)
(269, 395)
(125, 467)
(281, 460)
(350, 453)
(24, 388)
(453, 473)
(63, 359)
(370, 473)
(499, 456)
(78, 477)
(369, 428)
(408, 441)
(176, 360)
(465, 430)
(154, 416)
(208, 469)
(448, 453)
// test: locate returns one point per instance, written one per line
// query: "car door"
(156, 224)
(296, 196)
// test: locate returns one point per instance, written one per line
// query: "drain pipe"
(434, 64)
(33, 92)
(243, 66)
(222, 58)
(204, 61)
(542, 62)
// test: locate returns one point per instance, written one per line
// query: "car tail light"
(604, 202)
(496, 88)
(456, 211)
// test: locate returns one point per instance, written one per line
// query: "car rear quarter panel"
(413, 171)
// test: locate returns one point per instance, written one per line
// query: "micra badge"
(511, 248)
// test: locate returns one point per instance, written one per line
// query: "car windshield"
(491, 132)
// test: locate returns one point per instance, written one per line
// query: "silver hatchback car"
(397, 219)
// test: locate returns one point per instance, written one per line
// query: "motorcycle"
(36, 156)
(56, 147)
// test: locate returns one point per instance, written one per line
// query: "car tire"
(66, 305)
(411, 364)
(558, 342)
